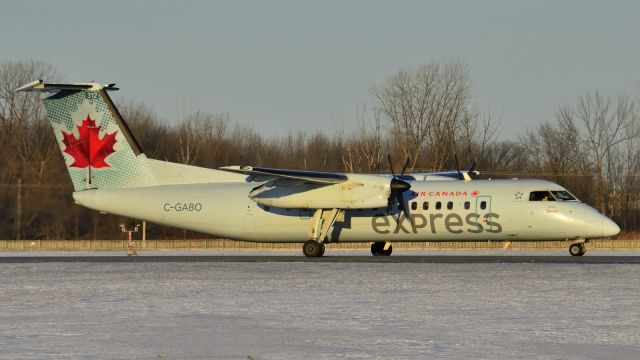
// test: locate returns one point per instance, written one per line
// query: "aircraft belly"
(207, 209)
(281, 225)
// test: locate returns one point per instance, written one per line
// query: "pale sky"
(285, 66)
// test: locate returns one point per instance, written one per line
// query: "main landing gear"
(577, 249)
(381, 249)
(323, 220)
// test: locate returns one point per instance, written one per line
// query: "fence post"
(144, 234)
(19, 211)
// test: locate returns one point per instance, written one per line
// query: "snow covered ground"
(319, 310)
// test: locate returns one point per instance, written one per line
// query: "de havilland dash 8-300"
(111, 174)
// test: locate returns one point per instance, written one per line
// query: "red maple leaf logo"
(88, 150)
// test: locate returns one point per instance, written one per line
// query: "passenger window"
(467, 205)
(438, 205)
(450, 205)
(541, 196)
(425, 205)
(414, 206)
(483, 205)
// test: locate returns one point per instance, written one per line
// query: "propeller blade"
(406, 163)
(455, 157)
(471, 170)
(404, 207)
(391, 165)
(397, 189)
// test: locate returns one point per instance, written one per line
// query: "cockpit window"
(564, 196)
(554, 195)
(541, 196)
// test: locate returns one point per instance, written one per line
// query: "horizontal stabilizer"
(40, 85)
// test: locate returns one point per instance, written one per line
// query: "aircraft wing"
(301, 189)
(267, 174)
(447, 175)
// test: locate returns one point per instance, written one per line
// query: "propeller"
(398, 187)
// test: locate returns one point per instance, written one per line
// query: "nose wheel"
(577, 249)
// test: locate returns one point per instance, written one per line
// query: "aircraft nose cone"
(609, 228)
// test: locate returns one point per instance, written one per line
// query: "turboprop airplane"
(111, 174)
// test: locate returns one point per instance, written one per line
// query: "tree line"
(426, 114)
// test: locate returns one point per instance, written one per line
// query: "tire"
(377, 248)
(312, 248)
(577, 249)
(584, 249)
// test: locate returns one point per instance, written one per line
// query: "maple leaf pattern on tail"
(88, 150)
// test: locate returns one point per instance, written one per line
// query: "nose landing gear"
(577, 249)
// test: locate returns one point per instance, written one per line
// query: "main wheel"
(377, 249)
(313, 248)
(584, 249)
(577, 249)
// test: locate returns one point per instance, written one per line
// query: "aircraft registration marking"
(180, 207)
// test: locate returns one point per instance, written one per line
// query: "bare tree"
(365, 149)
(18, 108)
(424, 108)
(201, 136)
(478, 136)
(604, 125)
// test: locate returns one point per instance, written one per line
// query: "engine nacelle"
(358, 192)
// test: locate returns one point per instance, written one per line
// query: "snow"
(319, 310)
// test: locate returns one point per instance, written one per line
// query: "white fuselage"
(468, 211)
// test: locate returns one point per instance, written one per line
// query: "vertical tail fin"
(97, 145)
